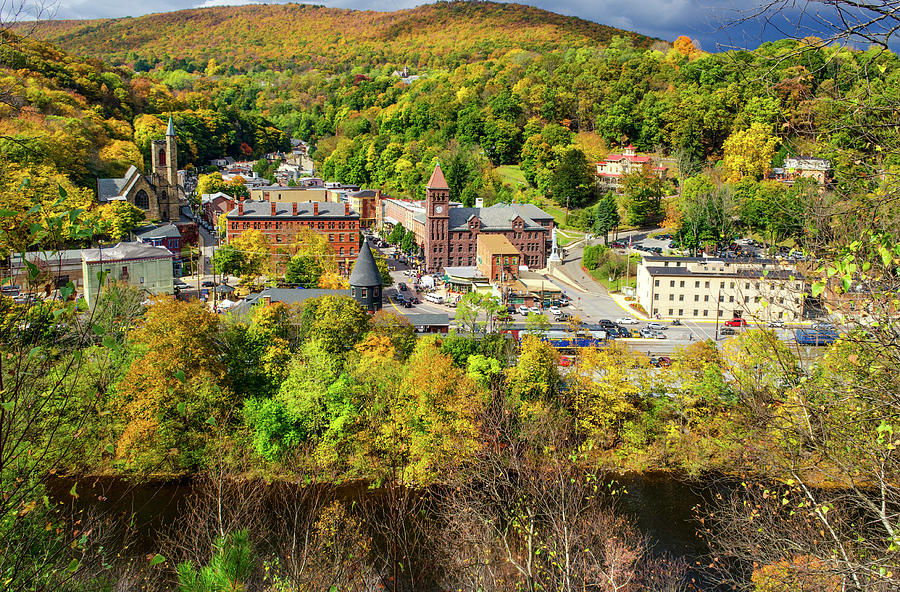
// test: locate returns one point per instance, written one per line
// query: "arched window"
(142, 200)
(162, 157)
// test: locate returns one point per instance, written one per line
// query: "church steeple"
(170, 131)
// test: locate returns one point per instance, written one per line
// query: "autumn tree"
(337, 322)
(118, 218)
(536, 375)
(749, 152)
(169, 400)
(255, 252)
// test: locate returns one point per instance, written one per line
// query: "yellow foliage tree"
(536, 375)
(749, 152)
(169, 399)
(685, 46)
(604, 391)
(255, 249)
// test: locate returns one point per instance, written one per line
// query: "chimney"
(315, 208)
(346, 209)
(241, 208)
(294, 209)
(273, 208)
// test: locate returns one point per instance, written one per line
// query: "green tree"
(606, 216)
(397, 234)
(479, 312)
(337, 322)
(230, 567)
(119, 218)
(304, 270)
(537, 324)
(228, 260)
(643, 190)
(408, 244)
(573, 184)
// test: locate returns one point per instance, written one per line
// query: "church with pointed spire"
(158, 194)
(450, 233)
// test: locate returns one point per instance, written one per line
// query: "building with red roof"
(616, 166)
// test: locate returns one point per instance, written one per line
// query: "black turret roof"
(365, 270)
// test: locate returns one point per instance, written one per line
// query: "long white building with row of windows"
(696, 288)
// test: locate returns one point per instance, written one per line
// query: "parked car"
(209, 284)
(656, 327)
(626, 321)
(563, 317)
(402, 287)
(607, 324)
(617, 244)
(414, 300)
(623, 332)
(665, 361)
(654, 362)
(407, 304)
(822, 326)
(727, 331)
(554, 310)
(565, 361)
(646, 333)
(775, 324)
(523, 310)
(659, 335)
(535, 309)
(736, 322)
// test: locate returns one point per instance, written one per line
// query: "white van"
(434, 298)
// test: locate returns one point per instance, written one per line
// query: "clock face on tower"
(439, 209)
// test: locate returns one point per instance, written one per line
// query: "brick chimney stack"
(273, 208)
(315, 208)
(346, 209)
(294, 209)
(241, 208)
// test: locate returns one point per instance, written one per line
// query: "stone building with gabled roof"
(451, 233)
(158, 194)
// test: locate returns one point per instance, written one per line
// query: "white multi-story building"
(696, 288)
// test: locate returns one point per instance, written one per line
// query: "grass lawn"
(617, 285)
(511, 174)
(566, 237)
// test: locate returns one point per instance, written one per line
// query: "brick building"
(497, 258)
(451, 233)
(616, 166)
(280, 223)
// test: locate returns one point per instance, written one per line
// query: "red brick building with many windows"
(451, 233)
(280, 223)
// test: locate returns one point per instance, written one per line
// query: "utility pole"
(718, 301)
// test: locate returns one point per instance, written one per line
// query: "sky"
(710, 22)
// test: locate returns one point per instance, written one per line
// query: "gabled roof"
(110, 188)
(152, 231)
(365, 270)
(125, 252)
(437, 180)
(499, 217)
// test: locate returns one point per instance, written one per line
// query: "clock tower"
(437, 220)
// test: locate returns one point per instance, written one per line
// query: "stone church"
(157, 194)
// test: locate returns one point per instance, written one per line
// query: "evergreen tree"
(397, 234)
(606, 216)
(573, 183)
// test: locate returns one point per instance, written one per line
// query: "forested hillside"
(299, 36)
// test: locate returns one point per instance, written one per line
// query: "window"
(732, 285)
(671, 297)
(706, 285)
(656, 283)
(706, 298)
(670, 312)
(353, 291)
(731, 299)
(705, 313)
(719, 312)
(681, 285)
(656, 296)
(697, 284)
(342, 250)
(681, 298)
(680, 311)
(721, 298)
(365, 292)
(696, 297)
(672, 284)
(162, 157)
(722, 285)
(746, 299)
(695, 312)
(331, 238)
(141, 200)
